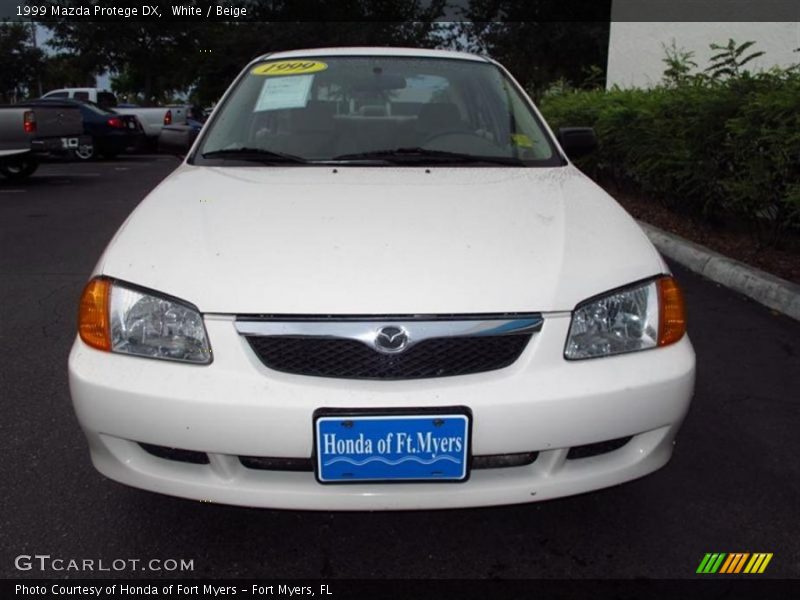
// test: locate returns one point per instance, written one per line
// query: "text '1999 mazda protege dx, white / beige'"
(377, 282)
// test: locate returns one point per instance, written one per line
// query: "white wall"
(636, 49)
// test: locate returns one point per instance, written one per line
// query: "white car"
(377, 282)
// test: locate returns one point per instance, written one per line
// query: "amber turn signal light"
(93, 323)
(672, 317)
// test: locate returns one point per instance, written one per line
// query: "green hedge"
(712, 148)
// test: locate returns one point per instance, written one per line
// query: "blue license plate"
(425, 447)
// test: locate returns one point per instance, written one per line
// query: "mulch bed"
(740, 245)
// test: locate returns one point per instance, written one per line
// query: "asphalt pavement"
(733, 484)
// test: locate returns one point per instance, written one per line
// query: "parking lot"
(733, 484)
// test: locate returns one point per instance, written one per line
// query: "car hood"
(379, 240)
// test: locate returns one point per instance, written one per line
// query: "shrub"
(712, 147)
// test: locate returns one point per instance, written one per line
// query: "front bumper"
(236, 407)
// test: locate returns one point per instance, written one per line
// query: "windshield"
(376, 110)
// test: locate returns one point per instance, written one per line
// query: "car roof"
(375, 51)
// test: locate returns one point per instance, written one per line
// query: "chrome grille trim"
(366, 329)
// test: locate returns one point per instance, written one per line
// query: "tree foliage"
(714, 147)
(537, 41)
(153, 61)
(728, 62)
(20, 62)
(152, 58)
(679, 63)
(232, 45)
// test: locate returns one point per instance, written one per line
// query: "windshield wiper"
(256, 155)
(423, 155)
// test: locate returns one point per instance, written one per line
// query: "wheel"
(85, 152)
(19, 169)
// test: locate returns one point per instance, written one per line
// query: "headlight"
(642, 316)
(119, 318)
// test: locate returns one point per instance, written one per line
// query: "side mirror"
(177, 139)
(577, 141)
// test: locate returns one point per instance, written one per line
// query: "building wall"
(636, 49)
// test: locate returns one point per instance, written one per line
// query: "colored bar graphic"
(732, 559)
(711, 562)
(741, 562)
(749, 567)
(734, 562)
(703, 563)
(759, 562)
(765, 563)
(717, 564)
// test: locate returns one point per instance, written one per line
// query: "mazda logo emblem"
(391, 339)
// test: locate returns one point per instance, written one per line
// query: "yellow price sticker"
(289, 67)
(521, 140)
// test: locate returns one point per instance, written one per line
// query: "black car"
(111, 132)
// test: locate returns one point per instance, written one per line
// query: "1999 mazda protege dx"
(377, 282)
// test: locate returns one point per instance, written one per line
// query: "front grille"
(351, 359)
(489, 461)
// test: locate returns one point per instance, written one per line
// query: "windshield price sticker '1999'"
(289, 67)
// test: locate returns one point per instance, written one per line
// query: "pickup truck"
(154, 119)
(151, 118)
(28, 133)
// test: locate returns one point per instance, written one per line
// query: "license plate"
(392, 447)
(69, 143)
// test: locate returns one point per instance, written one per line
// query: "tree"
(229, 46)
(537, 41)
(153, 61)
(154, 57)
(21, 62)
(67, 70)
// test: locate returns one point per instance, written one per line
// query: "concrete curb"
(774, 292)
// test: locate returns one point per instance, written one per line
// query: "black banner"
(730, 588)
(439, 10)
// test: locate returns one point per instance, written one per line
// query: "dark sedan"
(111, 133)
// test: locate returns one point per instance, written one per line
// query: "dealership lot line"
(732, 486)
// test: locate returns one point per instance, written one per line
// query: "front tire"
(17, 170)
